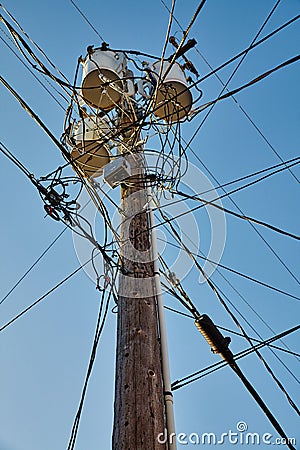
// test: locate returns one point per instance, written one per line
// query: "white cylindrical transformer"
(92, 148)
(101, 78)
(174, 100)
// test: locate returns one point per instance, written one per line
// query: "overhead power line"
(86, 19)
(226, 194)
(242, 109)
(287, 164)
(102, 315)
(33, 265)
(251, 47)
(6, 152)
(34, 116)
(40, 299)
(228, 330)
(206, 371)
(230, 302)
(250, 83)
(240, 216)
(213, 71)
(236, 272)
(238, 324)
(231, 360)
(34, 75)
(167, 146)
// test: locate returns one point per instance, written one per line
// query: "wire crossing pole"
(139, 410)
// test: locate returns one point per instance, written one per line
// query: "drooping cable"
(240, 216)
(242, 109)
(276, 347)
(34, 75)
(237, 310)
(32, 305)
(32, 266)
(87, 20)
(234, 318)
(220, 345)
(228, 81)
(102, 315)
(177, 384)
(236, 272)
(244, 300)
(250, 83)
(287, 164)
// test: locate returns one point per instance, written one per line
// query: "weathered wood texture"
(139, 415)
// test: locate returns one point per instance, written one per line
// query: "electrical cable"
(234, 71)
(173, 58)
(255, 80)
(102, 315)
(34, 75)
(237, 310)
(291, 163)
(245, 177)
(18, 40)
(24, 311)
(99, 248)
(63, 83)
(256, 44)
(231, 360)
(236, 272)
(53, 138)
(86, 19)
(234, 98)
(237, 323)
(30, 40)
(233, 365)
(177, 384)
(240, 216)
(287, 349)
(15, 161)
(189, 316)
(246, 85)
(277, 69)
(36, 118)
(250, 223)
(32, 266)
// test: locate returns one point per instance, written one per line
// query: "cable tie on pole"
(168, 393)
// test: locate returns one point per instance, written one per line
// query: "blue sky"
(44, 355)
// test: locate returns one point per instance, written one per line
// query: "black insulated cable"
(219, 344)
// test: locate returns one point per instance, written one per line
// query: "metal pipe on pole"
(168, 396)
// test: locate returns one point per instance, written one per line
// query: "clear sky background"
(44, 354)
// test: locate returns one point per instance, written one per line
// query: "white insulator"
(92, 147)
(174, 100)
(130, 83)
(101, 78)
(141, 87)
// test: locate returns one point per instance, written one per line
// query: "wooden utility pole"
(139, 410)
